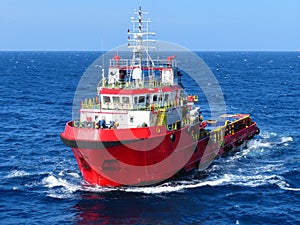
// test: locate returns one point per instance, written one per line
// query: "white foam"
(61, 173)
(180, 186)
(58, 196)
(72, 174)
(258, 144)
(249, 181)
(62, 195)
(75, 175)
(98, 189)
(17, 173)
(226, 179)
(51, 182)
(290, 189)
(269, 168)
(286, 139)
(261, 180)
(163, 188)
(255, 180)
(283, 184)
(267, 135)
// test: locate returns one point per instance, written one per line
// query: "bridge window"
(154, 98)
(116, 99)
(166, 97)
(106, 99)
(160, 98)
(125, 100)
(141, 99)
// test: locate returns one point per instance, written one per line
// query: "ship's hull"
(149, 156)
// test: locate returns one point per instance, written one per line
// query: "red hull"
(145, 156)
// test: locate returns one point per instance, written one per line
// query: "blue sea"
(41, 184)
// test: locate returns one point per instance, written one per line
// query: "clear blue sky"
(195, 24)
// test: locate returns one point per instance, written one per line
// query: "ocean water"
(41, 184)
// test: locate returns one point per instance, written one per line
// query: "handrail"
(231, 128)
(149, 83)
(94, 103)
(164, 63)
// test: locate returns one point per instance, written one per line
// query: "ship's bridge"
(122, 73)
(137, 99)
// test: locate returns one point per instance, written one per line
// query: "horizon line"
(65, 50)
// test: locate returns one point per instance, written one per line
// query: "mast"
(138, 39)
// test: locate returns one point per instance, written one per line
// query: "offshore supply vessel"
(141, 128)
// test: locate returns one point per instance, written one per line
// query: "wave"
(282, 184)
(59, 187)
(62, 188)
(17, 173)
(286, 139)
(269, 141)
(225, 180)
(273, 136)
(253, 149)
(259, 144)
(66, 182)
(289, 188)
(178, 186)
(51, 181)
(22, 174)
(267, 135)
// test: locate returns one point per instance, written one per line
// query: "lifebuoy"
(158, 130)
(257, 131)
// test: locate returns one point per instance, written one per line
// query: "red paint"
(105, 167)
